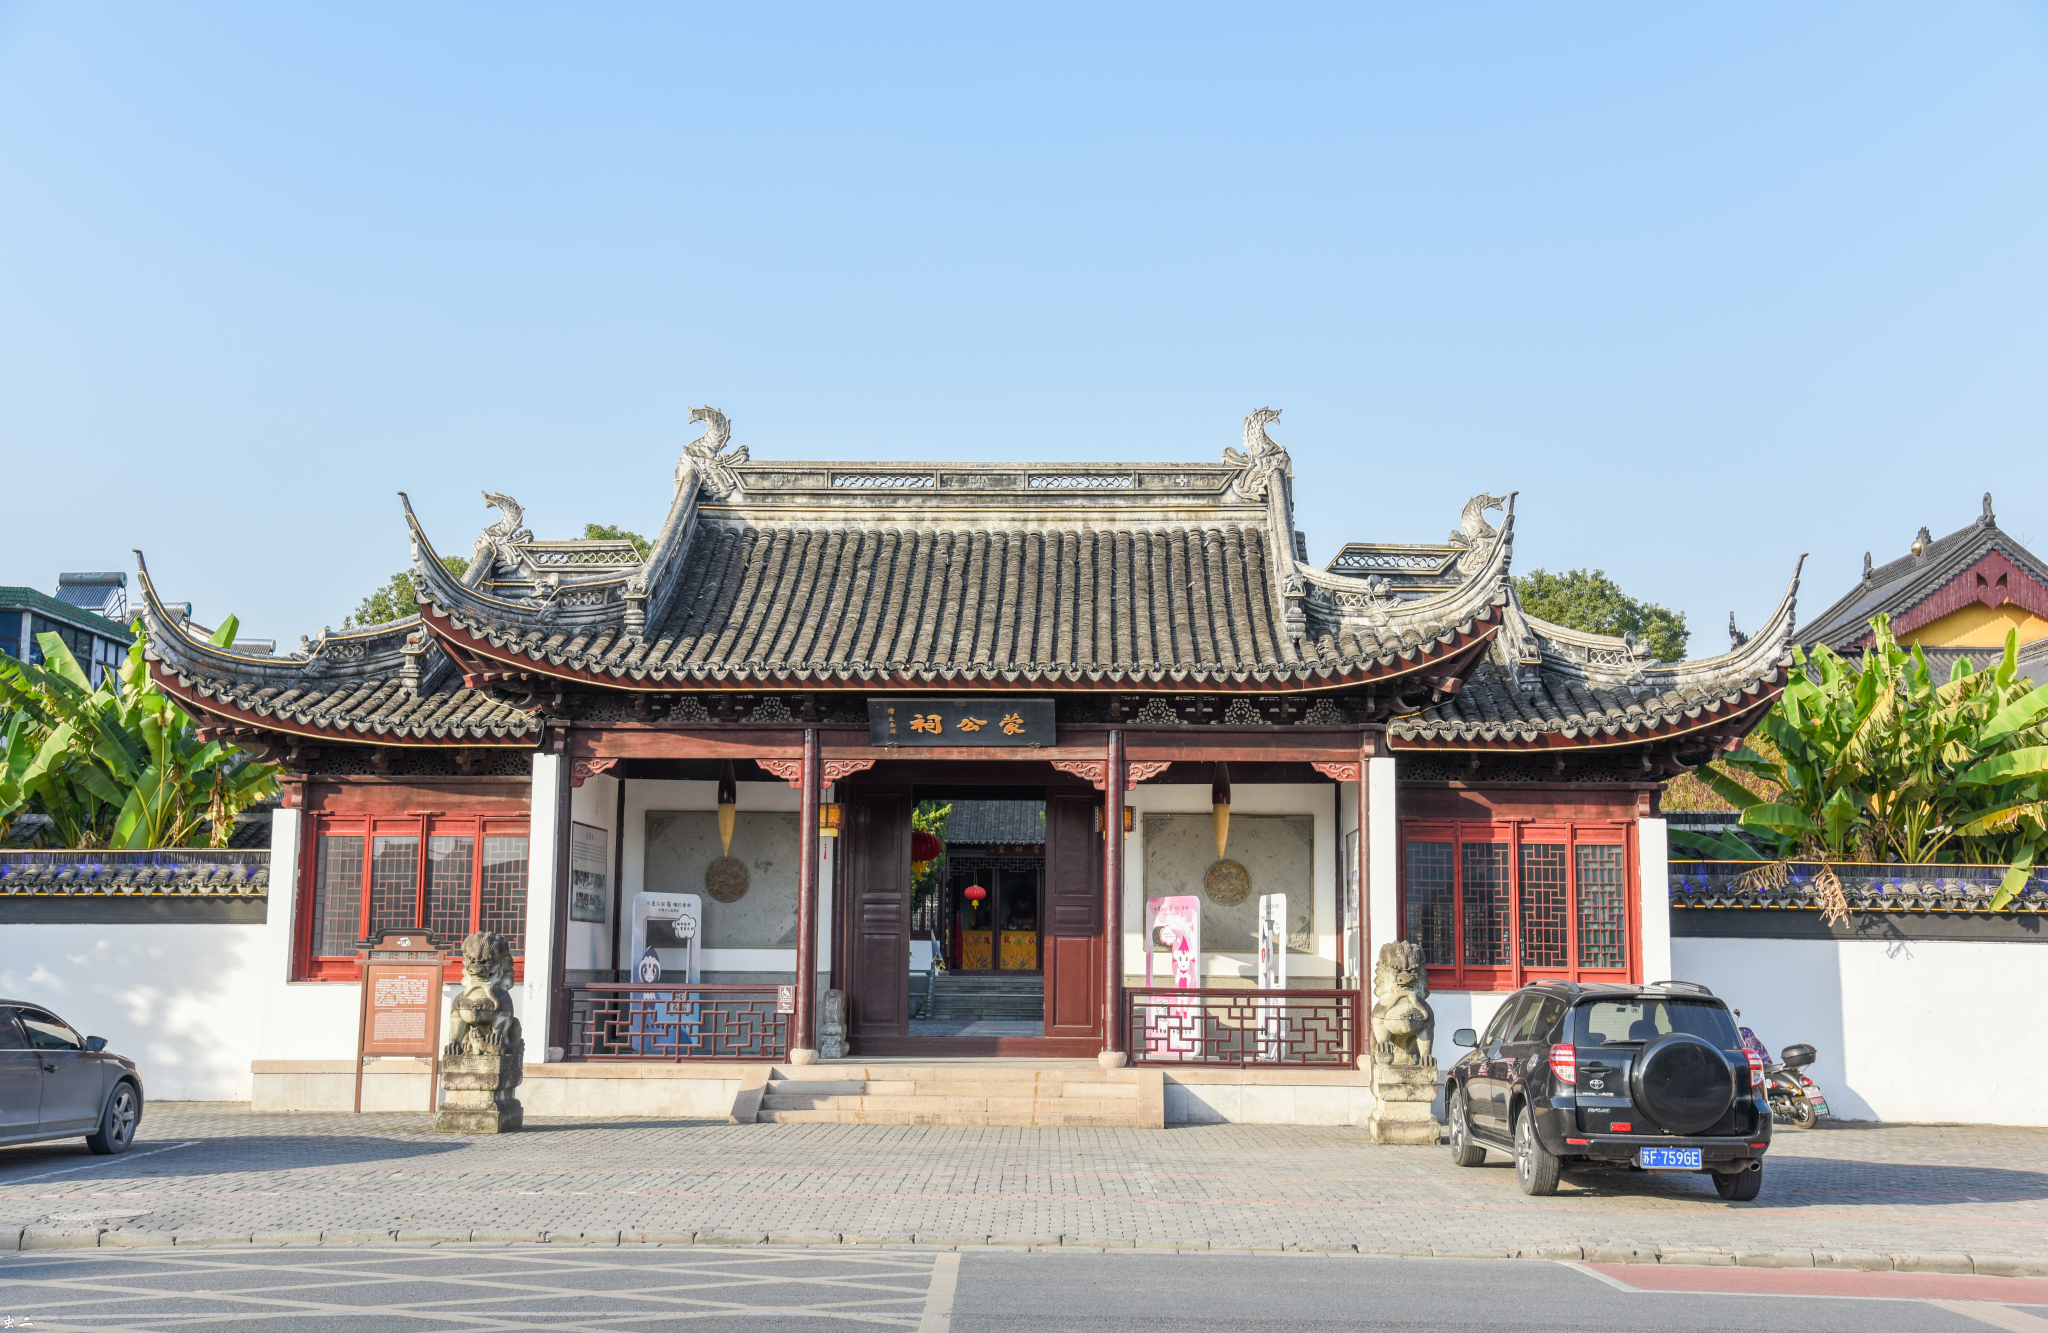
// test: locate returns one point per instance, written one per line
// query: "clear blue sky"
(1709, 285)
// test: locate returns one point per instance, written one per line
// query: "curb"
(41, 1237)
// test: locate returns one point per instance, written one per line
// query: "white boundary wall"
(1910, 1030)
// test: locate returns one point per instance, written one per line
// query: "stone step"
(945, 1105)
(961, 1087)
(1078, 1071)
(1048, 1120)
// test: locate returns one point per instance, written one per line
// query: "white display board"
(667, 936)
(1273, 942)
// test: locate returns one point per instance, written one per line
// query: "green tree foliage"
(117, 764)
(399, 597)
(1592, 602)
(1880, 762)
(929, 817)
(605, 532)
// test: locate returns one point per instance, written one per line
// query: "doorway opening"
(977, 927)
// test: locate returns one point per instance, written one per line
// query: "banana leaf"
(2031, 762)
(1778, 817)
(1728, 789)
(1721, 847)
(2015, 879)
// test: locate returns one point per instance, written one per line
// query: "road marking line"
(104, 1161)
(1998, 1316)
(1596, 1274)
(938, 1305)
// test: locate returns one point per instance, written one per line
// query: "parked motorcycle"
(1795, 1099)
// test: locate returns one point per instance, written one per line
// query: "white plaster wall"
(596, 803)
(550, 773)
(183, 1001)
(643, 794)
(1352, 946)
(1653, 857)
(1382, 859)
(1884, 1018)
(1319, 800)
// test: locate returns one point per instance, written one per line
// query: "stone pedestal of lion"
(1404, 1075)
(485, 1058)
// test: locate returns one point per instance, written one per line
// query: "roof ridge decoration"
(1473, 583)
(706, 454)
(1265, 472)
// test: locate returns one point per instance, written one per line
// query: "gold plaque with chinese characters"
(1019, 723)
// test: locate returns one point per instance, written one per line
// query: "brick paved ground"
(1874, 1190)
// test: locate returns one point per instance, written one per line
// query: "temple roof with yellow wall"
(1953, 596)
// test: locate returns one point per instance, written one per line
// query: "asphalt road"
(478, 1289)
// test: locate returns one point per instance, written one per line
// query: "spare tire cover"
(1683, 1083)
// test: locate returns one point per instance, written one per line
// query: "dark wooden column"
(1113, 895)
(811, 785)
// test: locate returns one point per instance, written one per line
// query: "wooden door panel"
(877, 993)
(1073, 945)
(1073, 986)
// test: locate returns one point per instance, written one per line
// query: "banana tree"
(118, 764)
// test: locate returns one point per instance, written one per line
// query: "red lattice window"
(1495, 906)
(447, 875)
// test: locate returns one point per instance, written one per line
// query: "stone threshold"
(38, 1237)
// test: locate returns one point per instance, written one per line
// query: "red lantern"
(925, 846)
(974, 893)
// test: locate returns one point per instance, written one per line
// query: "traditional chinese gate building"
(1407, 755)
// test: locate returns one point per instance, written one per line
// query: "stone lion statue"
(1403, 1028)
(483, 1022)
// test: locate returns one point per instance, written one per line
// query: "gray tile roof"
(385, 683)
(1869, 888)
(1183, 577)
(199, 873)
(1895, 588)
(923, 575)
(1542, 686)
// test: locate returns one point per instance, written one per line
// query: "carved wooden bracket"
(789, 770)
(587, 768)
(1340, 770)
(1094, 771)
(836, 769)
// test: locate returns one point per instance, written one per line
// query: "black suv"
(1651, 1077)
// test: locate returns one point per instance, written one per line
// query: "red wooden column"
(805, 1039)
(1113, 899)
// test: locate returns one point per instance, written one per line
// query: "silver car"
(55, 1084)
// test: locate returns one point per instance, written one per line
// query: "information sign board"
(400, 1010)
(1016, 723)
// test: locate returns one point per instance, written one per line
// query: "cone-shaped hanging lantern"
(728, 809)
(1219, 807)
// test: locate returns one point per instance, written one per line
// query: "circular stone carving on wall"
(726, 879)
(1228, 884)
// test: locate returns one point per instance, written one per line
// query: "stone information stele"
(484, 1059)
